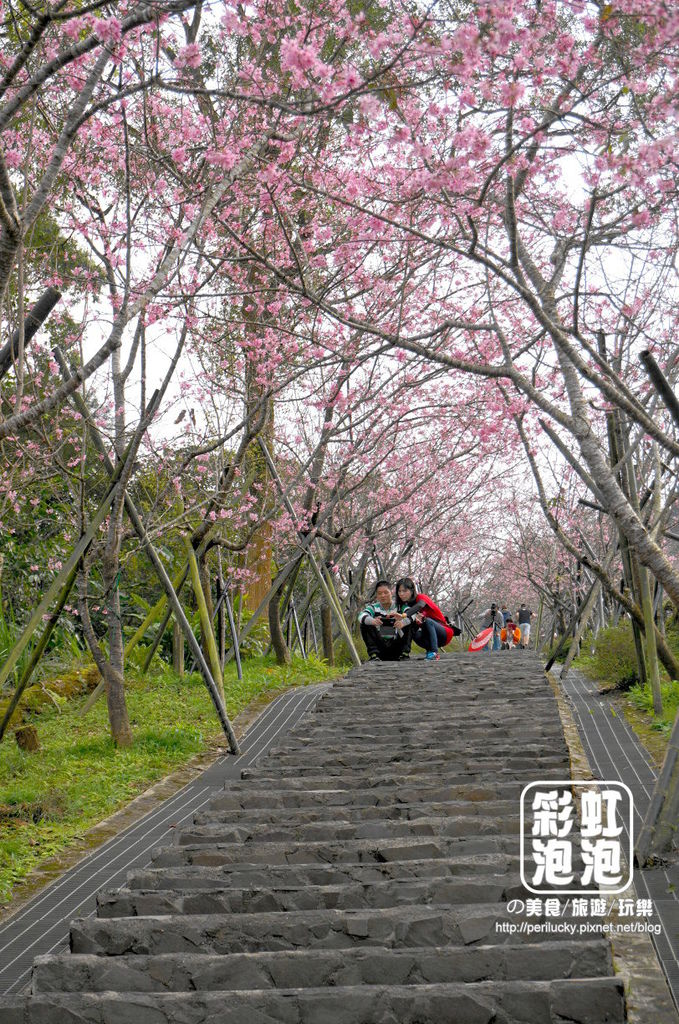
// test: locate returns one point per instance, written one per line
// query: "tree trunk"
(659, 831)
(27, 738)
(326, 633)
(651, 649)
(659, 611)
(617, 505)
(280, 648)
(113, 671)
(585, 616)
(259, 551)
(259, 564)
(538, 625)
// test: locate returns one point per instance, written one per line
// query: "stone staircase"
(357, 875)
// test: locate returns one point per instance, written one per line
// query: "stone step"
(189, 972)
(360, 873)
(421, 763)
(412, 680)
(388, 927)
(455, 705)
(424, 694)
(595, 999)
(334, 831)
(399, 731)
(369, 737)
(359, 850)
(455, 697)
(495, 751)
(344, 814)
(290, 794)
(519, 769)
(277, 876)
(477, 888)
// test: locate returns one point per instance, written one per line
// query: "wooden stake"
(178, 650)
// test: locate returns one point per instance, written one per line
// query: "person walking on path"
(385, 632)
(493, 617)
(525, 615)
(431, 629)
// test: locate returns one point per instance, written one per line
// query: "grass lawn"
(654, 732)
(77, 778)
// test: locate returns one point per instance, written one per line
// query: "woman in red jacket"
(431, 629)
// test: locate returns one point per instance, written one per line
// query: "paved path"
(42, 926)
(615, 752)
(359, 873)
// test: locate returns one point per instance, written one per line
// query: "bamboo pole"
(150, 654)
(65, 578)
(313, 632)
(328, 591)
(570, 629)
(155, 613)
(661, 384)
(264, 603)
(220, 590)
(60, 579)
(205, 623)
(297, 629)
(234, 635)
(38, 651)
(586, 613)
(162, 575)
(585, 616)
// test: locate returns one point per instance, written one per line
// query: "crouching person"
(385, 632)
(431, 629)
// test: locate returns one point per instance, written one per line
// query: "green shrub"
(642, 698)
(257, 640)
(614, 659)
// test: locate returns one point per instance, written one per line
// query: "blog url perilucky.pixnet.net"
(576, 927)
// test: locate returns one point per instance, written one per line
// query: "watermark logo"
(557, 857)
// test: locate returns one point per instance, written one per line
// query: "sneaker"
(404, 657)
(374, 657)
(432, 656)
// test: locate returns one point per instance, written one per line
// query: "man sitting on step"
(385, 631)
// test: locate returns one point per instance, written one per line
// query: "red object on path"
(480, 641)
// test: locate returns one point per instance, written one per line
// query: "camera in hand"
(388, 628)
